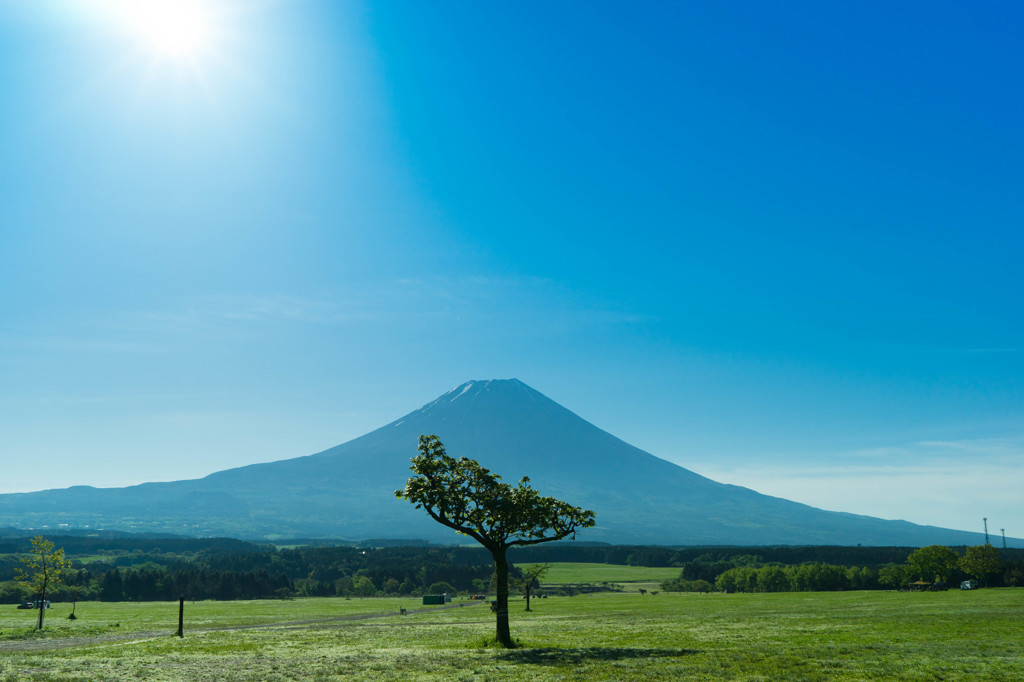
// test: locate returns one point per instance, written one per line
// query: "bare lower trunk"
(501, 600)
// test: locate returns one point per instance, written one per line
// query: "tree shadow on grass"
(593, 653)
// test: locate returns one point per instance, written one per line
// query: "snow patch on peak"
(474, 387)
(465, 388)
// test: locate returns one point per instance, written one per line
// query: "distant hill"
(348, 490)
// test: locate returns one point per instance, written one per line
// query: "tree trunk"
(42, 598)
(501, 600)
(529, 589)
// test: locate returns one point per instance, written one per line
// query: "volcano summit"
(348, 490)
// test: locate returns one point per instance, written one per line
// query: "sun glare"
(175, 28)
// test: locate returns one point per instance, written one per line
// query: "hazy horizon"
(778, 246)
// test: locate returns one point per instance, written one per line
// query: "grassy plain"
(562, 573)
(802, 636)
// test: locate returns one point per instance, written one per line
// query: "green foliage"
(441, 588)
(141, 569)
(933, 563)
(12, 592)
(362, 586)
(469, 499)
(981, 561)
(42, 569)
(811, 577)
(772, 579)
(862, 578)
(739, 579)
(1014, 574)
(747, 573)
(895, 576)
(306, 571)
(684, 585)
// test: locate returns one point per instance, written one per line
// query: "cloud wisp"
(953, 484)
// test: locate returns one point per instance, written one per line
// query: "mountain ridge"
(347, 490)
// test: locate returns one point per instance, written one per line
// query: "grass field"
(97, 619)
(563, 573)
(804, 636)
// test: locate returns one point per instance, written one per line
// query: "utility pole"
(985, 519)
(1003, 531)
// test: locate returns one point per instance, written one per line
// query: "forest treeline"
(146, 569)
(932, 567)
(258, 573)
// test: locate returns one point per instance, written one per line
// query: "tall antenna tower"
(985, 519)
(1003, 531)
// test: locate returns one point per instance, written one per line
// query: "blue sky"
(778, 245)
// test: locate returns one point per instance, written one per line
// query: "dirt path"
(134, 637)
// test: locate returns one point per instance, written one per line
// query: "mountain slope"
(348, 490)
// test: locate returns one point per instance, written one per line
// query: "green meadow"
(600, 573)
(951, 635)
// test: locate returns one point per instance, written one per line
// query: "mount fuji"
(348, 490)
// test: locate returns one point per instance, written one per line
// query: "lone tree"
(934, 563)
(42, 569)
(530, 580)
(981, 561)
(461, 494)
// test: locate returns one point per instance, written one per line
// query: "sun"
(173, 28)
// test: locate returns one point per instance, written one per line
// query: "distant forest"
(151, 569)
